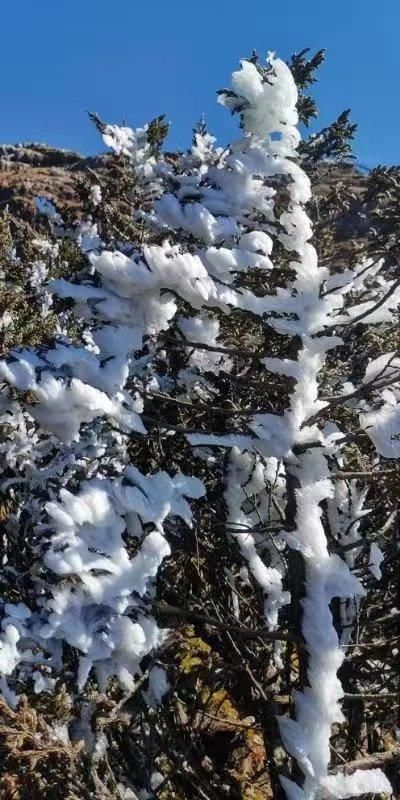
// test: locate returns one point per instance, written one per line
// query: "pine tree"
(203, 359)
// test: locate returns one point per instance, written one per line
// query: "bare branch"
(380, 303)
(368, 762)
(247, 633)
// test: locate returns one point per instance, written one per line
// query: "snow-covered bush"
(221, 289)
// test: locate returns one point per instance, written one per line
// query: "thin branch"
(383, 620)
(229, 351)
(344, 548)
(374, 645)
(359, 696)
(370, 475)
(368, 762)
(203, 406)
(377, 305)
(177, 428)
(247, 633)
(378, 382)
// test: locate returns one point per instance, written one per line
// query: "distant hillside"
(30, 170)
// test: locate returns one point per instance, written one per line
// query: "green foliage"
(333, 142)
(200, 127)
(100, 125)
(382, 202)
(303, 70)
(157, 132)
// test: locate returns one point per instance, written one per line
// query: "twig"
(377, 305)
(374, 645)
(177, 428)
(374, 696)
(229, 351)
(204, 407)
(368, 762)
(362, 391)
(246, 633)
(362, 475)
(386, 618)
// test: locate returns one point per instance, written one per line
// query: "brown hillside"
(31, 170)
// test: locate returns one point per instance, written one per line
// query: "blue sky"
(131, 60)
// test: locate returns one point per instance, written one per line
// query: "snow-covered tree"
(221, 288)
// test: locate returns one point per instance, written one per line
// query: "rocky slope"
(30, 170)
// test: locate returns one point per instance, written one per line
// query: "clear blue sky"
(132, 60)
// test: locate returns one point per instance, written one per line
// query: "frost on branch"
(95, 617)
(309, 307)
(249, 483)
